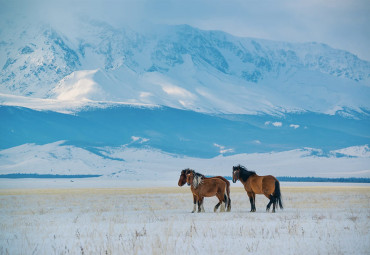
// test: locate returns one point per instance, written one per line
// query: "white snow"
(77, 86)
(315, 220)
(62, 106)
(356, 151)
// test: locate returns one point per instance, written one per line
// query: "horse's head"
(189, 177)
(236, 173)
(182, 179)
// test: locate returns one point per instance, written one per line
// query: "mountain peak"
(217, 70)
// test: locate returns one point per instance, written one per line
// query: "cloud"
(222, 148)
(275, 124)
(139, 139)
(294, 126)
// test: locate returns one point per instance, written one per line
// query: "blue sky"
(342, 24)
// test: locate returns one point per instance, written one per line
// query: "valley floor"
(316, 220)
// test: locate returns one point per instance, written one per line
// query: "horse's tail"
(277, 194)
(228, 205)
(227, 192)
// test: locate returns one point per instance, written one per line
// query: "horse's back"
(222, 178)
(262, 184)
(211, 186)
(269, 178)
(268, 184)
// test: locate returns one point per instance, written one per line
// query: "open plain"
(315, 220)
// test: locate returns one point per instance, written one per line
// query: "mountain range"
(181, 67)
(95, 90)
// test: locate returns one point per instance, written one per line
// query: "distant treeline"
(318, 179)
(322, 179)
(47, 176)
(280, 178)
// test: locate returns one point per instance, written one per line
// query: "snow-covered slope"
(178, 66)
(183, 132)
(150, 164)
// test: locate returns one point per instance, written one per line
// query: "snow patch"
(79, 85)
(355, 151)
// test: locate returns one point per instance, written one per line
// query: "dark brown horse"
(182, 181)
(207, 187)
(254, 184)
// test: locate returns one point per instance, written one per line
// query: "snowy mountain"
(96, 99)
(179, 66)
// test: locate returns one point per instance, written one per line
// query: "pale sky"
(342, 24)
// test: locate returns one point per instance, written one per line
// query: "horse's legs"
(223, 206)
(202, 209)
(200, 205)
(254, 202)
(221, 202)
(228, 203)
(270, 202)
(226, 200)
(217, 206)
(195, 204)
(274, 201)
(251, 200)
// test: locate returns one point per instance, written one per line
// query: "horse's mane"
(244, 172)
(191, 170)
(198, 177)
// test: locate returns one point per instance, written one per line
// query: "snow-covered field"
(316, 220)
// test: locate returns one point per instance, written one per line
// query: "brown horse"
(182, 181)
(207, 187)
(254, 184)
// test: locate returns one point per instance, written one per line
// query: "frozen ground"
(316, 220)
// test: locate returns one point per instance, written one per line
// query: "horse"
(182, 181)
(207, 187)
(254, 184)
